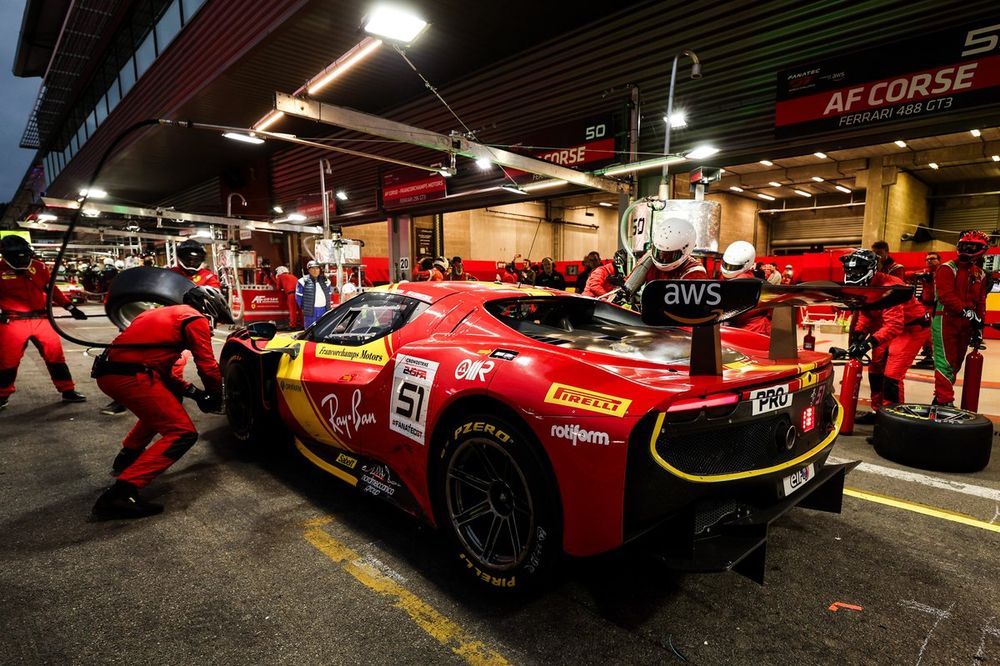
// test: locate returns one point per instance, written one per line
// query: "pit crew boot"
(73, 396)
(124, 459)
(122, 501)
(3, 402)
(868, 418)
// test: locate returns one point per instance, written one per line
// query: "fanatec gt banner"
(952, 70)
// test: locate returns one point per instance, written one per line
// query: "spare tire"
(935, 437)
(143, 288)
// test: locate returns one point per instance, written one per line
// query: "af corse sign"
(586, 143)
(402, 187)
(948, 71)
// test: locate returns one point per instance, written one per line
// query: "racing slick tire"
(498, 504)
(248, 420)
(956, 440)
(143, 288)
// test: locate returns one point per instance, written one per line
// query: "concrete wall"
(907, 205)
(740, 222)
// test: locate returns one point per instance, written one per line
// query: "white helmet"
(738, 258)
(673, 242)
(120, 265)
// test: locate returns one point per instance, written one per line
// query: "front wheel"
(498, 504)
(248, 419)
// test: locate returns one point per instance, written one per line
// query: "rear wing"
(705, 304)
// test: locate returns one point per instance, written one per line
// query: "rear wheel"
(498, 504)
(933, 437)
(248, 419)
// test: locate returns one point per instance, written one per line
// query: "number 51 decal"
(411, 384)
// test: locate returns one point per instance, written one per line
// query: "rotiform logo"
(578, 435)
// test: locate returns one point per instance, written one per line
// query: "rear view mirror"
(263, 329)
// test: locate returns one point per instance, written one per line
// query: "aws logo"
(692, 293)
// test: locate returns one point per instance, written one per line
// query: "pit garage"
(328, 511)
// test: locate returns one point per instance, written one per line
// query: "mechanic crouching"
(136, 371)
(894, 335)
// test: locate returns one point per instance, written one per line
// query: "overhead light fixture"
(933, 165)
(201, 233)
(543, 184)
(822, 156)
(802, 193)
(817, 179)
(394, 24)
(269, 119)
(976, 133)
(774, 183)
(296, 217)
(606, 204)
(677, 121)
(996, 158)
(701, 152)
(245, 138)
(845, 190)
(767, 163)
(342, 195)
(446, 172)
(734, 188)
(640, 166)
(766, 196)
(513, 189)
(91, 212)
(93, 193)
(278, 209)
(46, 217)
(484, 164)
(342, 64)
(900, 143)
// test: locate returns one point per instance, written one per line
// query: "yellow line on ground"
(434, 623)
(922, 509)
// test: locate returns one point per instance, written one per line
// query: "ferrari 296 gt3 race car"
(528, 423)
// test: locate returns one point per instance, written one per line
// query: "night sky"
(16, 101)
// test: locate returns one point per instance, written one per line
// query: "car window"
(365, 318)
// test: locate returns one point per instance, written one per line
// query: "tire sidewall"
(237, 373)
(545, 539)
(934, 445)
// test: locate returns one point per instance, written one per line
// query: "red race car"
(528, 423)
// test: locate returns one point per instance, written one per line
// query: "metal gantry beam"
(329, 114)
(194, 218)
(56, 226)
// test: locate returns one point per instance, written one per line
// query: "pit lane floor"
(261, 559)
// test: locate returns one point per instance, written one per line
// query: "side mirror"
(263, 329)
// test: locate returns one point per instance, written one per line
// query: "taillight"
(808, 418)
(707, 402)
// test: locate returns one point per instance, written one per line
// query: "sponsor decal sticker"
(412, 380)
(769, 399)
(578, 435)
(346, 424)
(347, 461)
(378, 480)
(591, 401)
(474, 370)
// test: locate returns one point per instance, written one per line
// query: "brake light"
(809, 418)
(709, 401)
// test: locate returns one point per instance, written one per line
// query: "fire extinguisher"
(850, 387)
(973, 377)
(809, 341)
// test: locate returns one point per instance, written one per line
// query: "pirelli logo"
(592, 401)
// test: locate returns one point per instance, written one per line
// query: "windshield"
(591, 325)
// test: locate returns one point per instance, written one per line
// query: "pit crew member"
(737, 263)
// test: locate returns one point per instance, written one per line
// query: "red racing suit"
(142, 379)
(899, 332)
(958, 286)
(597, 281)
(691, 269)
(286, 287)
(201, 277)
(23, 318)
(755, 322)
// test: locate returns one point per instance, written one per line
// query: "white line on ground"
(925, 479)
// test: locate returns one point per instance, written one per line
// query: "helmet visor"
(18, 259)
(667, 257)
(191, 259)
(732, 268)
(971, 248)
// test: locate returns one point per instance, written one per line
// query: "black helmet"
(190, 255)
(16, 251)
(859, 267)
(209, 301)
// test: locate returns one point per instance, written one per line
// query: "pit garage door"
(802, 230)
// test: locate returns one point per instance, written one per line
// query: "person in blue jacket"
(312, 293)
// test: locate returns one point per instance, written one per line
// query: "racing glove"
(76, 312)
(193, 392)
(210, 403)
(616, 280)
(971, 315)
(861, 347)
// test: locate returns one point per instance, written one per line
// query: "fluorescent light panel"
(394, 23)
(342, 195)
(933, 165)
(817, 179)
(269, 119)
(976, 133)
(734, 188)
(900, 143)
(802, 193)
(700, 152)
(676, 121)
(641, 166)
(542, 185)
(822, 156)
(845, 190)
(768, 197)
(767, 163)
(245, 138)
(774, 183)
(93, 193)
